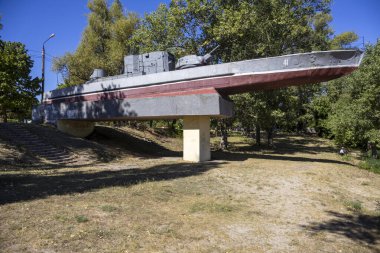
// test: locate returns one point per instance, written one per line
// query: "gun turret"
(191, 61)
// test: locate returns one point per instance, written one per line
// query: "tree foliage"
(18, 90)
(244, 30)
(160, 30)
(343, 40)
(271, 28)
(354, 103)
(178, 28)
(104, 43)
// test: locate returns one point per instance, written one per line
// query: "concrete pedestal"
(76, 128)
(196, 138)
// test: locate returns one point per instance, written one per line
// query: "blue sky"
(32, 21)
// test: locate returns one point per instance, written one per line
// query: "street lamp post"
(43, 66)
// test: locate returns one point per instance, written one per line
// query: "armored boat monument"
(154, 86)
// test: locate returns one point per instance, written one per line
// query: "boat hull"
(228, 78)
(226, 85)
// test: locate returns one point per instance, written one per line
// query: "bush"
(370, 164)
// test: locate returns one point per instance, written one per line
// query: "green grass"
(81, 218)
(347, 158)
(355, 206)
(371, 165)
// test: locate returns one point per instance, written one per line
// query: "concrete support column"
(76, 128)
(196, 138)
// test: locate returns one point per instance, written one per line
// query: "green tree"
(244, 30)
(104, 42)
(354, 117)
(18, 90)
(317, 111)
(269, 28)
(121, 31)
(344, 40)
(157, 31)
(170, 28)
(324, 97)
(165, 29)
(260, 111)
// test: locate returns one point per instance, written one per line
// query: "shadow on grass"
(119, 139)
(288, 144)
(16, 156)
(234, 156)
(361, 228)
(22, 186)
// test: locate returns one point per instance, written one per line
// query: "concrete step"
(18, 134)
(54, 156)
(53, 153)
(49, 149)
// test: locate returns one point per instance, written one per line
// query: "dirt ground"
(298, 197)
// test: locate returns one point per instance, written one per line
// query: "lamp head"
(52, 35)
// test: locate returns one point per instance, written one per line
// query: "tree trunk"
(270, 136)
(174, 121)
(373, 147)
(258, 135)
(300, 127)
(4, 114)
(224, 135)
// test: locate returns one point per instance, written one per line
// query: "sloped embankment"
(33, 145)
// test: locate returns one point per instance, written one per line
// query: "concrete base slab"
(167, 107)
(76, 128)
(196, 138)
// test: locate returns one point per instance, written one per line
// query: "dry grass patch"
(295, 199)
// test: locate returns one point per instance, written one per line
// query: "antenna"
(215, 48)
(363, 42)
